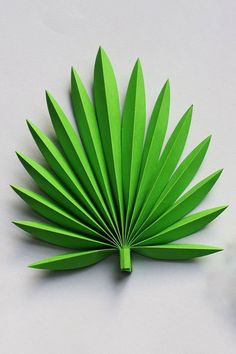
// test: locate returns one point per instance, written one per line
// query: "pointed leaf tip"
(138, 64)
(101, 52)
(167, 84)
(74, 72)
(49, 97)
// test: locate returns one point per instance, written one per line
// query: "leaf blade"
(109, 122)
(177, 183)
(76, 156)
(184, 227)
(59, 164)
(176, 251)
(152, 147)
(58, 236)
(72, 260)
(89, 132)
(52, 212)
(132, 133)
(182, 207)
(168, 161)
(53, 188)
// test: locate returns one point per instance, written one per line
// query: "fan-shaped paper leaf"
(109, 188)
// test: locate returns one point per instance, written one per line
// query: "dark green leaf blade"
(176, 251)
(109, 122)
(72, 260)
(132, 133)
(87, 124)
(184, 227)
(58, 236)
(166, 166)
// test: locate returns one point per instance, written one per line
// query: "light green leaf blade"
(166, 166)
(184, 227)
(152, 147)
(177, 183)
(181, 207)
(76, 155)
(52, 212)
(176, 252)
(86, 121)
(54, 189)
(58, 236)
(132, 134)
(72, 260)
(109, 122)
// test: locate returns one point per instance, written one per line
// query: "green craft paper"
(176, 185)
(111, 188)
(86, 121)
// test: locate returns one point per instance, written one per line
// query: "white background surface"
(163, 307)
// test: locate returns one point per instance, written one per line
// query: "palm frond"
(110, 188)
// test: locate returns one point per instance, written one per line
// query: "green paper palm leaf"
(111, 188)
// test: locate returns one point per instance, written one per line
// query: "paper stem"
(125, 259)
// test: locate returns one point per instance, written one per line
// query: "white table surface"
(162, 307)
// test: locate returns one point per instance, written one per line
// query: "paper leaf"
(184, 227)
(176, 252)
(58, 236)
(72, 260)
(109, 122)
(108, 186)
(133, 127)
